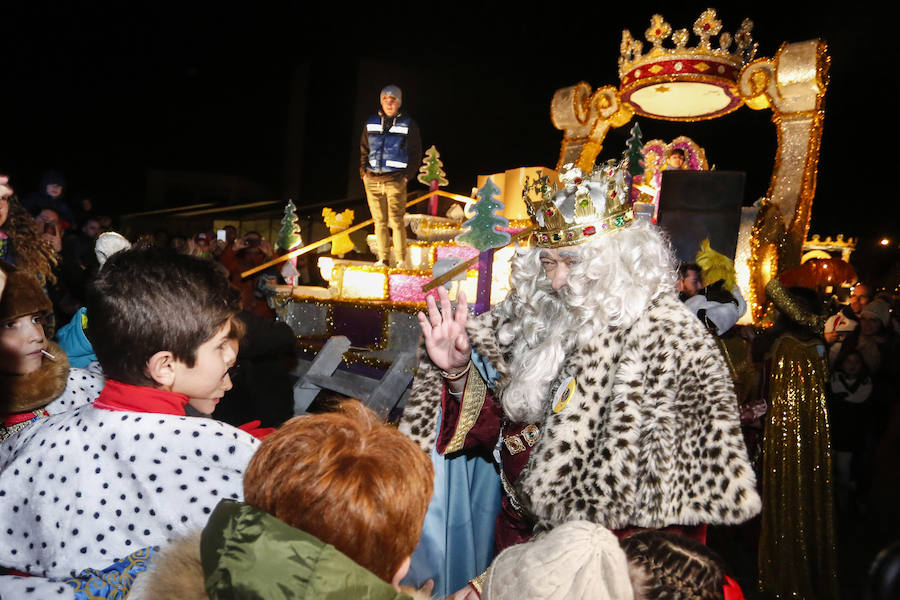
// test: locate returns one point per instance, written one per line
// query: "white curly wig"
(615, 279)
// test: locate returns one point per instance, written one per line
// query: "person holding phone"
(248, 251)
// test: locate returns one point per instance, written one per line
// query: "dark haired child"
(667, 566)
(87, 487)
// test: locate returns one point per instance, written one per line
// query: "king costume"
(640, 425)
(649, 438)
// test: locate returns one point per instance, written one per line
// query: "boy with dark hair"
(85, 488)
(166, 305)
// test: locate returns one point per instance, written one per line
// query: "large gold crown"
(684, 83)
(584, 207)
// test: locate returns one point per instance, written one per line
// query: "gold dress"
(797, 554)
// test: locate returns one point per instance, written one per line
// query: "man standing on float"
(390, 152)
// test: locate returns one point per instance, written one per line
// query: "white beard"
(545, 330)
(616, 278)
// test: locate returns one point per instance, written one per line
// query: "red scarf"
(732, 590)
(118, 396)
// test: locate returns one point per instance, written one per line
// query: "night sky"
(106, 92)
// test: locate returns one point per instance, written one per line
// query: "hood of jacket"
(250, 554)
(72, 339)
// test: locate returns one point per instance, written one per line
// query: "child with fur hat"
(35, 378)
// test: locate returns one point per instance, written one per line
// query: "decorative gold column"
(584, 119)
(793, 85)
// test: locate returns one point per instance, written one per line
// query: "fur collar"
(21, 393)
(177, 572)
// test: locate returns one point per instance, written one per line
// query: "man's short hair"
(348, 479)
(683, 269)
(151, 300)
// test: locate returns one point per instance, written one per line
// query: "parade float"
(468, 247)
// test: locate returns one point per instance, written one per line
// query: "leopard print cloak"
(650, 438)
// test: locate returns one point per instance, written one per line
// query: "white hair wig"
(616, 278)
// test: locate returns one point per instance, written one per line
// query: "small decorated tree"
(633, 152)
(432, 175)
(481, 230)
(289, 234)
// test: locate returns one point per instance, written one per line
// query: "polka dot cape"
(17, 588)
(82, 387)
(86, 487)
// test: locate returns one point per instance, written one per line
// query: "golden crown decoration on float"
(586, 205)
(685, 83)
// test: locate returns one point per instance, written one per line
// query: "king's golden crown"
(634, 63)
(584, 207)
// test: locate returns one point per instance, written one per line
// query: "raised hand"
(446, 339)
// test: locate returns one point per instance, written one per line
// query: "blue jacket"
(390, 145)
(71, 338)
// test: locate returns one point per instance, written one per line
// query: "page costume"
(87, 487)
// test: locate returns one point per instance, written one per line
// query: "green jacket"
(247, 554)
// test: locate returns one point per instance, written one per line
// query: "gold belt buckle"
(531, 434)
(514, 444)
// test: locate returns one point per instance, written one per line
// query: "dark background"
(275, 93)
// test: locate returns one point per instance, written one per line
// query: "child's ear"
(401, 573)
(161, 368)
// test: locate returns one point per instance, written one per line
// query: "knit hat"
(108, 244)
(573, 561)
(391, 90)
(878, 309)
(23, 296)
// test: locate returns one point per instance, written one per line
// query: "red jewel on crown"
(589, 230)
(549, 211)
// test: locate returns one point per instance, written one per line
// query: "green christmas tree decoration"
(289, 234)
(633, 152)
(481, 229)
(431, 169)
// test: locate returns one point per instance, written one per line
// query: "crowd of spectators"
(819, 396)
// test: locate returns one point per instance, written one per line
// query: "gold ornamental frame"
(792, 85)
